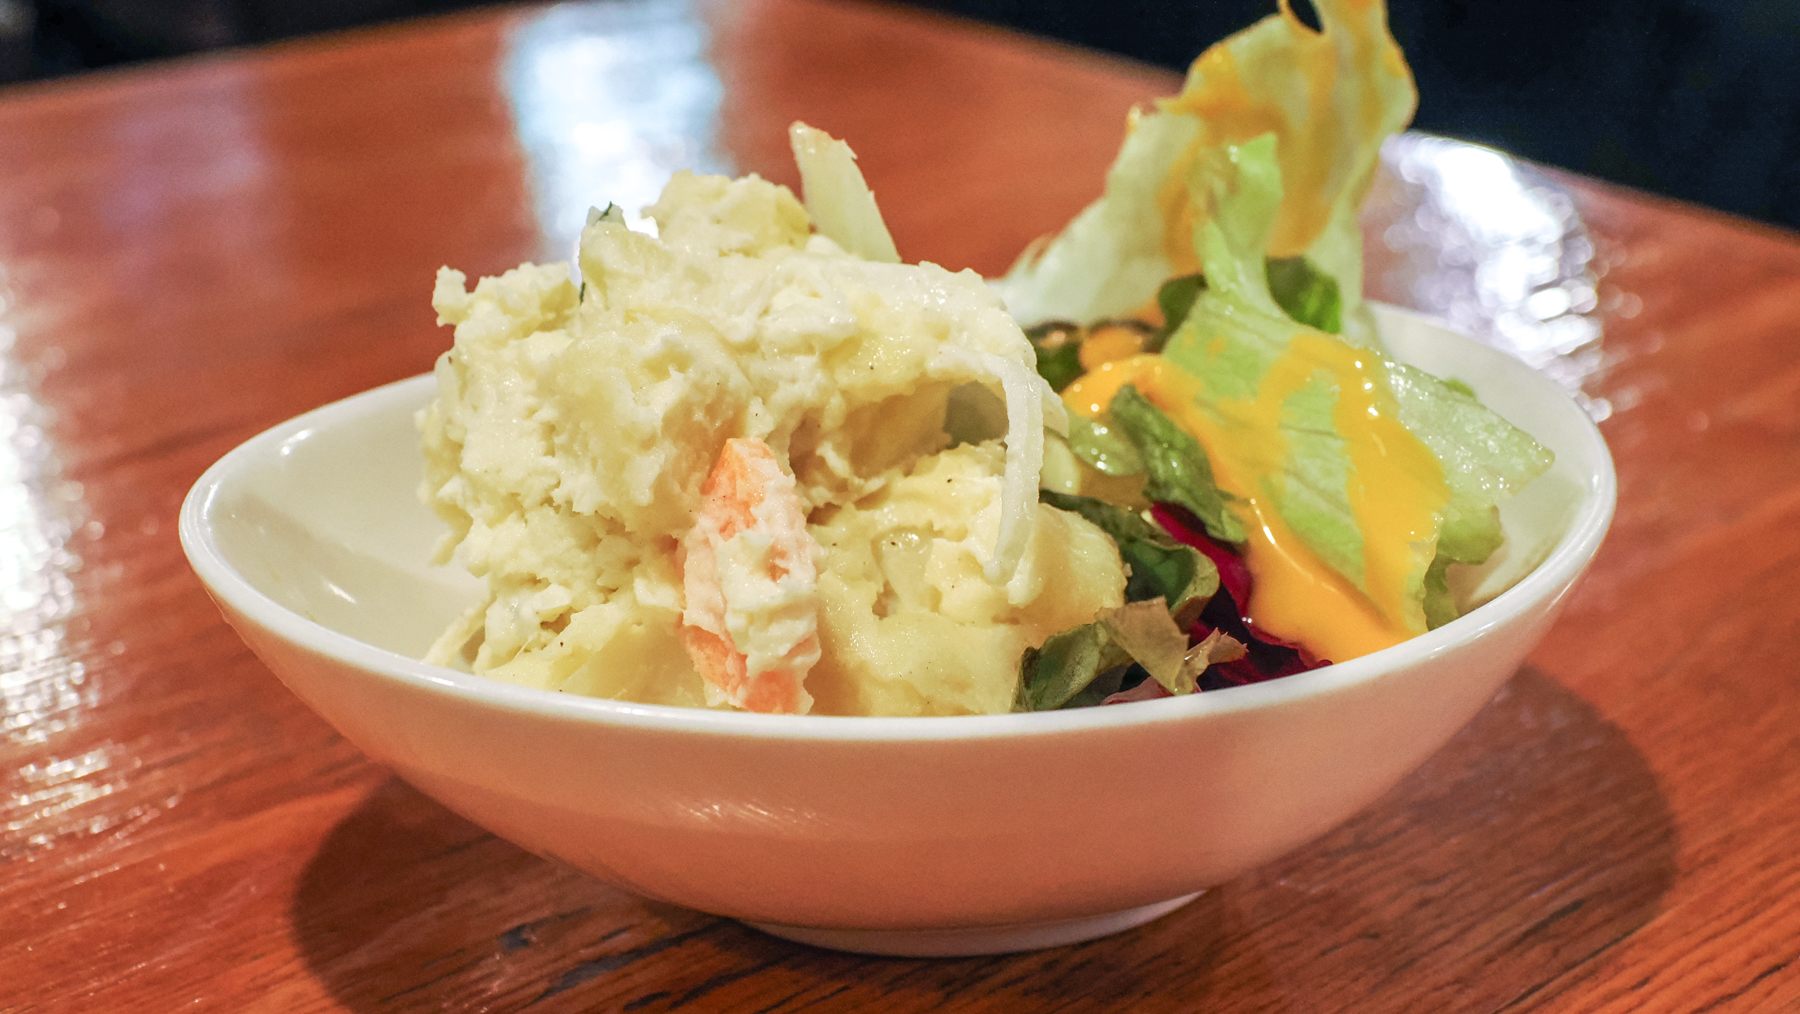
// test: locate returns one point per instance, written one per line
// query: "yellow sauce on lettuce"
(1237, 99)
(1396, 491)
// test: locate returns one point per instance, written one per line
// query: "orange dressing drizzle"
(1396, 490)
(1313, 133)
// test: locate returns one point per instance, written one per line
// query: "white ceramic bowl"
(921, 836)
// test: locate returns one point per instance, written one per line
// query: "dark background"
(1696, 99)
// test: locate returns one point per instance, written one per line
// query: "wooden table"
(191, 252)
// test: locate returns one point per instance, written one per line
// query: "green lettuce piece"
(1485, 458)
(1300, 288)
(1104, 449)
(1090, 663)
(1176, 466)
(1175, 298)
(1305, 293)
(1338, 254)
(1237, 330)
(1331, 95)
(1109, 260)
(1168, 586)
(1160, 566)
(1059, 366)
(1440, 605)
(1085, 665)
(1155, 640)
(1071, 669)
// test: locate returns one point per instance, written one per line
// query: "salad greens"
(1231, 208)
(1305, 293)
(1331, 96)
(1107, 450)
(1109, 260)
(1233, 336)
(1161, 567)
(1058, 348)
(1168, 586)
(1175, 464)
(1174, 299)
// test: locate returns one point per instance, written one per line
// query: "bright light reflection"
(43, 691)
(1488, 196)
(40, 688)
(1495, 248)
(45, 790)
(610, 99)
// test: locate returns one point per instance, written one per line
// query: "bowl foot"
(956, 943)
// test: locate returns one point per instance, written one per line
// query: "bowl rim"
(1557, 571)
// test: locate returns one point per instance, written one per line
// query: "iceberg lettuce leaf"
(1231, 342)
(1331, 96)
(1109, 260)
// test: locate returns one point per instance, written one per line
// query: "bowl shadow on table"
(1505, 869)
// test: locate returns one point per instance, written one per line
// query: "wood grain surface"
(192, 252)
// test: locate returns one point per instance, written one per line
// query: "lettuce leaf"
(1331, 97)
(1175, 298)
(1109, 260)
(1305, 293)
(1091, 663)
(1103, 448)
(1169, 584)
(1484, 457)
(1216, 648)
(1076, 667)
(1160, 565)
(1175, 463)
(1233, 336)
(1058, 349)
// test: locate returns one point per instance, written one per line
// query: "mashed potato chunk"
(912, 626)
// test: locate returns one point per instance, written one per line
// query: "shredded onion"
(1024, 402)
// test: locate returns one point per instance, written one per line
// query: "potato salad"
(751, 460)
